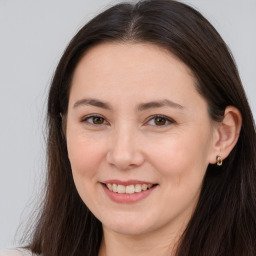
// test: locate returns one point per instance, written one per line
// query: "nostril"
(124, 160)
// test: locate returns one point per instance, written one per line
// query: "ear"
(226, 134)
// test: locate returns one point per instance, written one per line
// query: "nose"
(125, 150)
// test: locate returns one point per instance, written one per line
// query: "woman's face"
(139, 137)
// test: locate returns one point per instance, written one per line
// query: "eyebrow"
(141, 107)
(92, 102)
(159, 104)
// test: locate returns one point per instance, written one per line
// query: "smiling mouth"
(130, 189)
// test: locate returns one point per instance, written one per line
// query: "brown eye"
(160, 120)
(98, 120)
(94, 120)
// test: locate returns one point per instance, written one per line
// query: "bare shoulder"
(16, 252)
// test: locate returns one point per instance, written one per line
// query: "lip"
(127, 198)
(127, 183)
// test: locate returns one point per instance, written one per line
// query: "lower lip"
(128, 198)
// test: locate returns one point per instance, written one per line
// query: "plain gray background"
(33, 35)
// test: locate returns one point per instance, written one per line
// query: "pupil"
(160, 121)
(98, 120)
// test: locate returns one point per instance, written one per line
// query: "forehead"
(129, 55)
(138, 69)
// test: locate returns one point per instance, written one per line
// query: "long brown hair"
(224, 222)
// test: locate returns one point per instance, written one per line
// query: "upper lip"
(127, 182)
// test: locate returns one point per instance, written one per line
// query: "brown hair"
(224, 222)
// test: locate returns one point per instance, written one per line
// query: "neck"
(154, 243)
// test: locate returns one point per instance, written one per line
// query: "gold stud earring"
(219, 160)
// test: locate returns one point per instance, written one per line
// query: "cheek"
(84, 155)
(180, 155)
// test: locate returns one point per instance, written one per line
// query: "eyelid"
(85, 119)
(168, 119)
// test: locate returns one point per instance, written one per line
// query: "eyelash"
(151, 118)
(165, 118)
(86, 118)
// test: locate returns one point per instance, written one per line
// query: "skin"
(128, 143)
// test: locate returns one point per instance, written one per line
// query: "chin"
(129, 230)
(129, 225)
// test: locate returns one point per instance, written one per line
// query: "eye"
(159, 120)
(94, 120)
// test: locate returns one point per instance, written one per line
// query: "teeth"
(130, 189)
(114, 188)
(144, 187)
(137, 188)
(120, 189)
(110, 187)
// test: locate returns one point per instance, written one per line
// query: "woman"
(151, 145)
